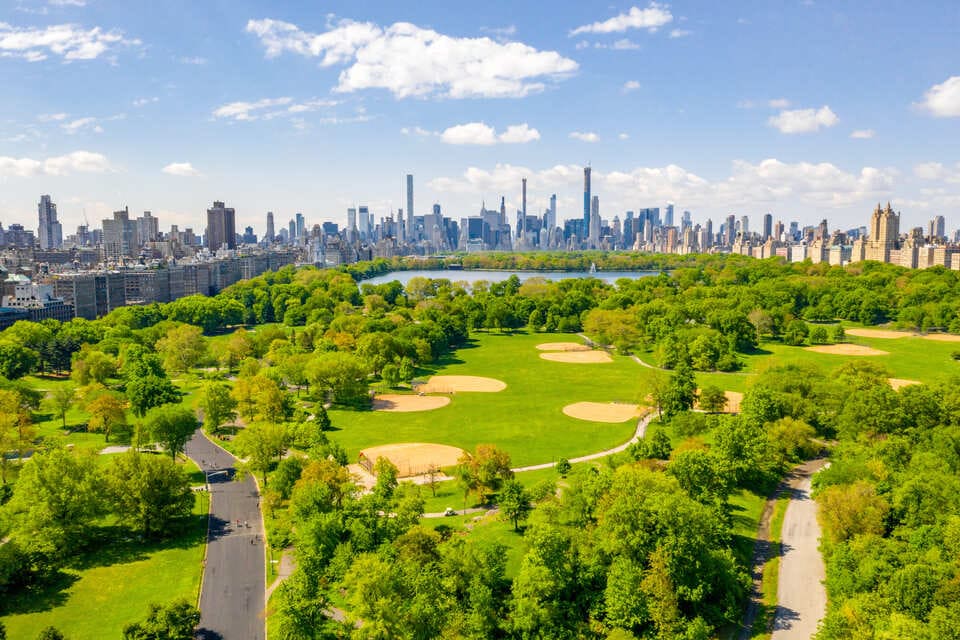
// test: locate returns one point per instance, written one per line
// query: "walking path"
(232, 591)
(806, 565)
(801, 595)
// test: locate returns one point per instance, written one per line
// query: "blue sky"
(807, 110)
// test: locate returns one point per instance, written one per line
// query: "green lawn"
(525, 418)
(100, 592)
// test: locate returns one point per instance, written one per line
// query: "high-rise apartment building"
(936, 230)
(148, 228)
(731, 229)
(221, 227)
(351, 219)
(745, 225)
(552, 217)
(49, 231)
(767, 227)
(119, 236)
(301, 225)
(270, 235)
(586, 201)
(668, 216)
(523, 209)
(595, 221)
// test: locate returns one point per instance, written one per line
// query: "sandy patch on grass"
(734, 398)
(402, 403)
(879, 333)
(578, 356)
(562, 346)
(453, 384)
(899, 383)
(847, 350)
(412, 458)
(942, 337)
(603, 411)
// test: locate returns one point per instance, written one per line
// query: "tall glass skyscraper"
(586, 201)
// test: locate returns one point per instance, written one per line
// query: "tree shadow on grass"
(42, 596)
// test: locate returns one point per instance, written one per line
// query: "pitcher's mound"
(577, 356)
(562, 346)
(847, 350)
(452, 384)
(602, 411)
(400, 403)
(412, 458)
(899, 383)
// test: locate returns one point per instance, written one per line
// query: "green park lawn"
(112, 585)
(525, 419)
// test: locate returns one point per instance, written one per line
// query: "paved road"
(232, 597)
(801, 596)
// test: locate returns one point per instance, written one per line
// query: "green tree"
(57, 498)
(90, 365)
(217, 404)
(171, 426)
(182, 348)
(108, 414)
(17, 431)
(818, 335)
(262, 444)
(837, 334)
(796, 333)
(147, 392)
(61, 400)
(485, 471)
(175, 621)
(681, 390)
(149, 492)
(321, 417)
(17, 360)
(514, 502)
(713, 399)
(51, 633)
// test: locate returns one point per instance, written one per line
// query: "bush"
(563, 467)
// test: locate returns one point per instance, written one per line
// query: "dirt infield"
(899, 383)
(879, 333)
(400, 403)
(847, 350)
(603, 411)
(734, 398)
(942, 337)
(578, 356)
(412, 458)
(453, 384)
(562, 346)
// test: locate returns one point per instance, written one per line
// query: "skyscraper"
(292, 232)
(745, 225)
(221, 227)
(364, 214)
(668, 216)
(270, 235)
(552, 218)
(351, 219)
(767, 226)
(936, 229)
(523, 209)
(586, 200)
(301, 225)
(148, 228)
(50, 231)
(595, 221)
(410, 227)
(119, 235)
(731, 229)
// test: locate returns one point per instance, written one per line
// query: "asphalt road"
(801, 595)
(232, 597)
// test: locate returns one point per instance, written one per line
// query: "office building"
(270, 235)
(410, 224)
(148, 228)
(49, 230)
(301, 225)
(767, 226)
(221, 227)
(119, 236)
(586, 200)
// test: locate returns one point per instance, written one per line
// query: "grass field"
(525, 419)
(106, 588)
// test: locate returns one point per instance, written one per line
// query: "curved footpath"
(232, 592)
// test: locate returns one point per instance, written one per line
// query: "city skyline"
(705, 107)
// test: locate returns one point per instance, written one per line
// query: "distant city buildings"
(49, 229)
(221, 227)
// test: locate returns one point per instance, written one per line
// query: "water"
(474, 275)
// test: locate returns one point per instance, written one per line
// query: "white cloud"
(624, 44)
(181, 169)
(76, 162)
(52, 117)
(585, 136)
(943, 100)
(624, 136)
(778, 103)
(937, 171)
(410, 61)
(768, 183)
(80, 125)
(746, 104)
(630, 85)
(68, 41)
(141, 102)
(249, 110)
(197, 60)
(417, 131)
(804, 120)
(519, 134)
(680, 33)
(863, 134)
(68, 3)
(270, 108)
(651, 18)
(480, 133)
